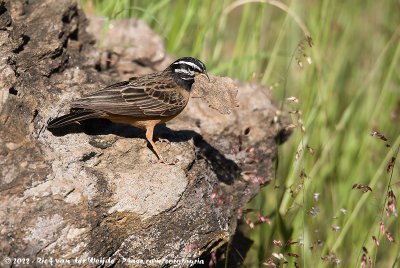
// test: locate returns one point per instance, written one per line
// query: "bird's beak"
(206, 76)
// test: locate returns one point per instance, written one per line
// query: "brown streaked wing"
(147, 96)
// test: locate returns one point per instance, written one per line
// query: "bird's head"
(185, 69)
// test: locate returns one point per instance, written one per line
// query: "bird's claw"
(163, 140)
(161, 160)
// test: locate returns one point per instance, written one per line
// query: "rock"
(129, 46)
(91, 193)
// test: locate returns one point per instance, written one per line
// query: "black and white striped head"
(185, 69)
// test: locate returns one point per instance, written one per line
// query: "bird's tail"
(74, 116)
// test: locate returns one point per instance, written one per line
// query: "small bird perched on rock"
(143, 101)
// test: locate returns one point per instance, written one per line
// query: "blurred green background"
(351, 88)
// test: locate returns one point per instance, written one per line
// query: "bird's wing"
(144, 97)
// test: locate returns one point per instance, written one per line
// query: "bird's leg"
(149, 137)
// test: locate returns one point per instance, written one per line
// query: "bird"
(142, 101)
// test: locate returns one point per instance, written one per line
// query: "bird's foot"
(162, 161)
(158, 138)
(165, 162)
(163, 140)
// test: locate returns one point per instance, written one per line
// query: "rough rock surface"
(93, 190)
(129, 45)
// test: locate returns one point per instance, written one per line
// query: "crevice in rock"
(5, 18)
(25, 41)
(35, 114)
(74, 35)
(3, 8)
(88, 156)
(69, 192)
(56, 54)
(97, 67)
(13, 91)
(190, 166)
(140, 63)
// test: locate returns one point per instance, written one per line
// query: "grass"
(351, 88)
